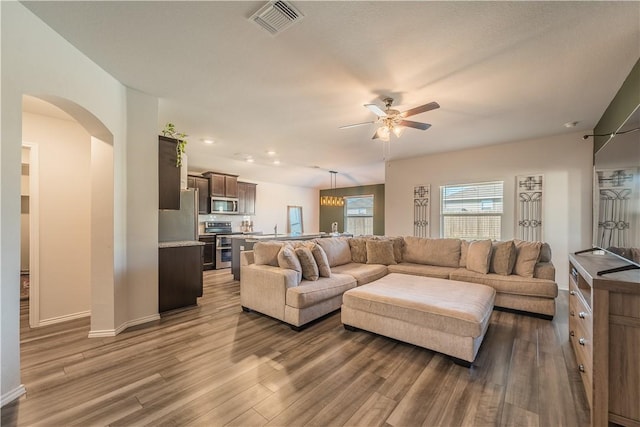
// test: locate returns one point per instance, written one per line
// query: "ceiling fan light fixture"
(397, 131)
(383, 133)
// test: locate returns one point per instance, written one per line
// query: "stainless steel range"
(222, 231)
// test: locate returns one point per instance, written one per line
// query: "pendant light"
(335, 201)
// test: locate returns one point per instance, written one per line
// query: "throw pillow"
(398, 245)
(266, 253)
(503, 258)
(527, 254)
(479, 256)
(380, 252)
(464, 247)
(358, 250)
(321, 260)
(308, 263)
(287, 258)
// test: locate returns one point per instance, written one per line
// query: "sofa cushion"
(337, 250)
(358, 247)
(321, 259)
(440, 252)
(398, 246)
(513, 284)
(266, 253)
(503, 258)
(544, 270)
(479, 256)
(464, 248)
(287, 258)
(527, 254)
(308, 293)
(363, 273)
(545, 253)
(308, 263)
(380, 252)
(421, 270)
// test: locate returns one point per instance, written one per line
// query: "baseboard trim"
(125, 325)
(12, 395)
(66, 317)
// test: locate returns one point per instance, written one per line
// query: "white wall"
(37, 61)
(271, 208)
(24, 217)
(564, 160)
(64, 182)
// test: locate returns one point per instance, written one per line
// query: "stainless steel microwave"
(224, 205)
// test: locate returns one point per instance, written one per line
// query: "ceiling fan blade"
(415, 125)
(354, 125)
(421, 109)
(376, 110)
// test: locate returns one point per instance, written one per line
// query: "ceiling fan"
(393, 120)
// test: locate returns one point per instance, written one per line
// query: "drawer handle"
(581, 341)
(572, 313)
(582, 315)
(581, 367)
(572, 292)
(573, 334)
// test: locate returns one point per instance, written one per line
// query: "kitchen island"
(179, 274)
(241, 243)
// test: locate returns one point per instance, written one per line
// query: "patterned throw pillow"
(358, 250)
(380, 252)
(308, 263)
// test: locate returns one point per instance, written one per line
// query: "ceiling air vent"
(277, 16)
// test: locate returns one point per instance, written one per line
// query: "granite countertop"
(179, 243)
(260, 237)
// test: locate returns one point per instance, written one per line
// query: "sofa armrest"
(545, 270)
(263, 288)
(246, 258)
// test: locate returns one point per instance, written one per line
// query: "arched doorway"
(72, 223)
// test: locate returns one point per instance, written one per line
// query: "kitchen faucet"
(275, 230)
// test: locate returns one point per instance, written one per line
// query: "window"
(471, 211)
(358, 212)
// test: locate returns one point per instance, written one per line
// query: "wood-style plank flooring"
(215, 365)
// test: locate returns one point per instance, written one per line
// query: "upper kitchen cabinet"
(168, 174)
(223, 185)
(246, 198)
(204, 197)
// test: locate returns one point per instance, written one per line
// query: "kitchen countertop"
(179, 243)
(260, 237)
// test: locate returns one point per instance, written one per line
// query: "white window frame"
(346, 216)
(475, 214)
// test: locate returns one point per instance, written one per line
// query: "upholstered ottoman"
(443, 315)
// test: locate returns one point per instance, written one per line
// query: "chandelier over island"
(332, 200)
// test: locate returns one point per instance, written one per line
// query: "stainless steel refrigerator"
(177, 225)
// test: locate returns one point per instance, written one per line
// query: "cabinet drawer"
(579, 312)
(585, 366)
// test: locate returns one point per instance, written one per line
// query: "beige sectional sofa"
(275, 283)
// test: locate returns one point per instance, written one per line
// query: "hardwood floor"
(215, 365)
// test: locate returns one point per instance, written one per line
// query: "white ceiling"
(501, 71)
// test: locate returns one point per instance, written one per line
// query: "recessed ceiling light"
(250, 159)
(271, 153)
(571, 124)
(276, 162)
(208, 141)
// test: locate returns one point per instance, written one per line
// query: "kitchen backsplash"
(235, 220)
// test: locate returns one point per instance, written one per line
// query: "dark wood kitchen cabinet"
(223, 185)
(246, 198)
(204, 196)
(179, 276)
(209, 252)
(168, 174)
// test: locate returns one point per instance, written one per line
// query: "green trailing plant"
(170, 131)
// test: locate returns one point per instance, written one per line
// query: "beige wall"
(564, 160)
(24, 215)
(64, 183)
